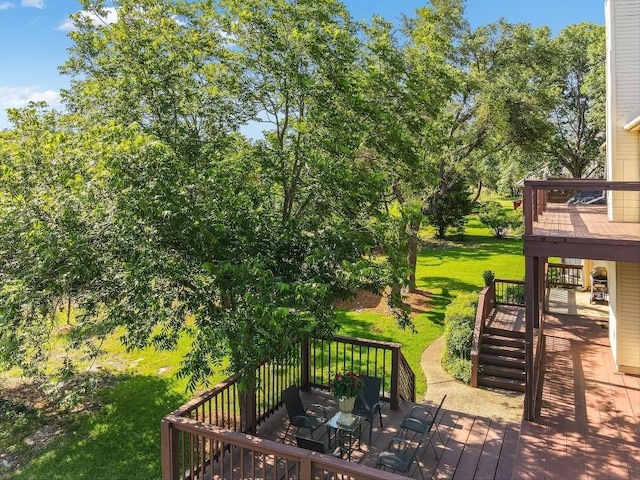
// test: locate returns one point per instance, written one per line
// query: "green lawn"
(445, 269)
(122, 440)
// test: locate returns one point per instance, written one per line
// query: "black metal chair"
(401, 452)
(298, 417)
(317, 446)
(424, 414)
(368, 402)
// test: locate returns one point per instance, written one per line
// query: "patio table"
(348, 430)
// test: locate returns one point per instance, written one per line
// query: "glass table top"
(346, 422)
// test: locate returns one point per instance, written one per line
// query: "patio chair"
(298, 417)
(368, 402)
(401, 452)
(318, 446)
(423, 413)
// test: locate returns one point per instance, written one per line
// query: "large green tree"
(577, 119)
(171, 222)
(499, 103)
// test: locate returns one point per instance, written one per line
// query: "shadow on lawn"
(438, 305)
(121, 440)
(481, 249)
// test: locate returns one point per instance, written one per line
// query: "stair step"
(501, 340)
(503, 372)
(501, 360)
(505, 351)
(503, 333)
(503, 383)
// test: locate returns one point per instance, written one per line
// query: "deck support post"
(531, 301)
(169, 447)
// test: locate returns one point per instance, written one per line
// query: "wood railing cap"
(582, 184)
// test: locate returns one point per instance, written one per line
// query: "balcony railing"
(537, 194)
(562, 219)
(208, 433)
(564, 275)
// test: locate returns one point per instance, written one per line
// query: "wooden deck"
(589, 424)
(467, 446)
(507, 317)
(583, 221)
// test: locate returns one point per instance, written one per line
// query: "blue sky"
(33, 35)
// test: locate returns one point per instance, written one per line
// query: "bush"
(458, 333)
(495, 218)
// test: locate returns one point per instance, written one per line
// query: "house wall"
(622, 18)
(628, 317)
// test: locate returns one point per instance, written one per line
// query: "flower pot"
(345, 404)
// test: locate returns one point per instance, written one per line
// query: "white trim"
(633, 125)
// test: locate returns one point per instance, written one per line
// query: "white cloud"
(16, 97)
(6, 5)
(33, 3)
(111, 17)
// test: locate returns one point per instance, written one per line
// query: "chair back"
(293, 401)
(429, 419)
(369, 395)
(414, 430)
(310, 444)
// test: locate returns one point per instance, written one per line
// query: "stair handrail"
(486, 303)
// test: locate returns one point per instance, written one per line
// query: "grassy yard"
(121, 438)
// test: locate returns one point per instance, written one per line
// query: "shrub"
(495, 218)
(458, 332)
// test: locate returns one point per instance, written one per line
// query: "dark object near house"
(588, 197)
(368, 402)
(310, 444)
(298, 417)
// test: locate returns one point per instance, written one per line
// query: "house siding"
(622, 19)
(628, 317)
(623, 104)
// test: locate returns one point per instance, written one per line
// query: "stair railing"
(486, 303)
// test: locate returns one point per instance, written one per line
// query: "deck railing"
(189, 449)
(366, 357)
(244, 456)
(564, 275)
(536, 194)
(509, 292)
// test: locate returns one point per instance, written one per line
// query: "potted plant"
(346, 387)
(488, 277)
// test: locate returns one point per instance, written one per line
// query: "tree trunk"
(412, 256)
(475, 199)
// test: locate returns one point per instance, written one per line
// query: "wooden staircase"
(502, 362)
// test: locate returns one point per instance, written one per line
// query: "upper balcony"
(557, 226)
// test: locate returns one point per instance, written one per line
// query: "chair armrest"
(318, 405)
(399, 444)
